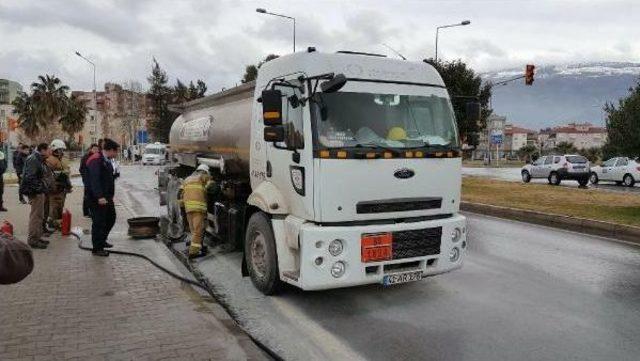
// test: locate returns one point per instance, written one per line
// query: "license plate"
(396, 278)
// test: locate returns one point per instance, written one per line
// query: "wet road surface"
(513, 175)
(526, 292)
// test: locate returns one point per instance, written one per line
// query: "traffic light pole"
(509, 80)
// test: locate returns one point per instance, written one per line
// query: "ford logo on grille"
(404, 173)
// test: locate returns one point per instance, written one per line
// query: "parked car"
(621, 170)
(556, 168)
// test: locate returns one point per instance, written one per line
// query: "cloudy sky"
(214, 40)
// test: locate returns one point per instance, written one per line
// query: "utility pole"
(264, 11)
(462, 23)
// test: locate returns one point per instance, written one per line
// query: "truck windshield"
(350, 119)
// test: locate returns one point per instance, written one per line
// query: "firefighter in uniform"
(194, 198)
(61, 184)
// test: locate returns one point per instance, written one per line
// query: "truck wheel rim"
(258, 254)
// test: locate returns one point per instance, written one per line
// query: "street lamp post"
(95, 99)
(463, 23)
(264, 11)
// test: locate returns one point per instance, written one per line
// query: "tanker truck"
(335, 170)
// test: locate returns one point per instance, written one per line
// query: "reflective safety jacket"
(61, 172)
(193, 193)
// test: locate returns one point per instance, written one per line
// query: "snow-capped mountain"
(562, 93)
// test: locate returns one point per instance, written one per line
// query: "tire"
(554, 179)
(583, 182)
(260, 254)
(526, 177)
(628, 180)
(593, 178)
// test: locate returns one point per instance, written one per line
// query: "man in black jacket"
(84, 172)
(35, 187)
(101, 192)
(19, 157)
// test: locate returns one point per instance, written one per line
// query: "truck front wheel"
(260, 254)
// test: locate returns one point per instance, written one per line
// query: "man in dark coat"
(101, 192)
(35, 187)
(84, 172)
(19, 157)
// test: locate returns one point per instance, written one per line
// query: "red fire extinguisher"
(6, 228)
(66, 222)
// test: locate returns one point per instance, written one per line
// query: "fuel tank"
(217, 126)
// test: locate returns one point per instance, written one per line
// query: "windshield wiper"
(376, 145)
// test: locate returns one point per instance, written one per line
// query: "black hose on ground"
(77, 234)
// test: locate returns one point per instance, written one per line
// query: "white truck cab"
(353, 169)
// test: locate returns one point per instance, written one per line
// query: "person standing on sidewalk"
(101, 191)
(35, 187)
(194, 198)
(3, 168)
(61, 183)
(19, 158)
(84, 173)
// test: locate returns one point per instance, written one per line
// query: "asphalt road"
(526, 292)
(513, 175)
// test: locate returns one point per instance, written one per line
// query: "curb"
(582, 225)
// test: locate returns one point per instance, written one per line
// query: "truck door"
(290, 160)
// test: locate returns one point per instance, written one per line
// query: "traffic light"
(528, 74)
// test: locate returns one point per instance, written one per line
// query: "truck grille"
(416, 243)
(398, 205)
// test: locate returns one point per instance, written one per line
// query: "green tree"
(27, 119)
(251, 71)
(527, 152)
(594, 154)
(49, 98)
(46, 104)
(623, 126)
(565, 148)
(73, 120)
(161, 96)
(464, 85)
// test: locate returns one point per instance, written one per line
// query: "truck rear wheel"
(260, 254)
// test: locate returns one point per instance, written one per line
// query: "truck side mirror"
(272, 107)
(473, 111)
(334, 84)
(274, 134)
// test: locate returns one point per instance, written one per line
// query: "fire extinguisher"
(6, 228)
(66, 222)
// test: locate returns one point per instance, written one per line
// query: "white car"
(621, 170)
(556, 168)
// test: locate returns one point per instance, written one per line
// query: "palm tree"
(73, 119)
(49, 98)
(27, 120)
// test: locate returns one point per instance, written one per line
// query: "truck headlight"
(297, 179)
(454, 254)
(338, 268)
(456, 234)
(336, 247)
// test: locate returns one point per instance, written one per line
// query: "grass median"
(623, 208)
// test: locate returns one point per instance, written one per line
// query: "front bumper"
(315, 239)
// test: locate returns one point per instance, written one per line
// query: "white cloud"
(214, 40)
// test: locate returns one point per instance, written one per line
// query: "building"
(517, 137)
(8, 92)
(119, 112)
(580, 135)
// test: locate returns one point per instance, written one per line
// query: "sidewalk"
(75, 306)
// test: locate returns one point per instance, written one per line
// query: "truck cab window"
(292, 118)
